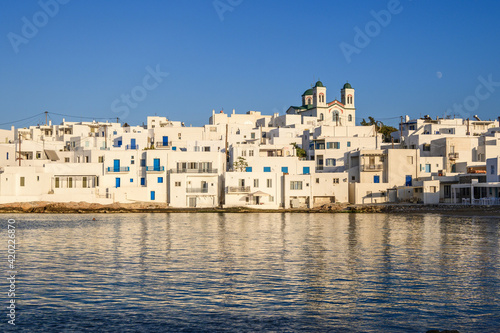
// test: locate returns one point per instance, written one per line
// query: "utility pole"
(46, 112)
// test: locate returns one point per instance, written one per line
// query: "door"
(165, 141)
(153, 195)
(376, 179)
(132, 143)
(116, 165)
(408, 180)
(117, 182)
(156, 164)
(427, 168)
(192, 202)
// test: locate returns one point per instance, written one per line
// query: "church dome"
(307, 92)
(347, 86)
(319, 84)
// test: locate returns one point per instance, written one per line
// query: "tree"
(386, 130)
(299, 151)
(241, 164)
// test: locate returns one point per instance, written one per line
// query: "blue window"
(248, 169)
(7, 155)
(348, 143)
(143, 181)
(117, 182)
(331, 162)
(131, 180)
(427, 168)
(376, 179)
(267, 169)
(174, 148)
(115, 132)
(284, 169)
(329, 145)
(336, 145)
(153, 195)
(160, 180)
(306, 170)
(143, 162)
(119, 143)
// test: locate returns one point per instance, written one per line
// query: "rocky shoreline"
(92, 208)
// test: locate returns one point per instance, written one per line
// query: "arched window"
(335, 116)
(349, 118)
(309, 101)
(321, 98)
(321, 117)
(349, 99)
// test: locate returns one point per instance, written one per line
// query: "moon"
(439, 75)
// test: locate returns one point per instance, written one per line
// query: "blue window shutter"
(248, 169)
(267, 169)
(153, 195)
(306, 170)
(143, 181)
(284, 169)
(376, 179)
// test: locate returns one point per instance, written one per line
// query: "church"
(334, 113)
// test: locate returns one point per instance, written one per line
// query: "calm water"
(256, 272)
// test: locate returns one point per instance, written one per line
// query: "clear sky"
(83, 58)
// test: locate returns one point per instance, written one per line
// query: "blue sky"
(247, 55)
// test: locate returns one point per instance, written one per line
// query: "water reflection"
(311, 272)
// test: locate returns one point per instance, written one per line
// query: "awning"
(52, 155)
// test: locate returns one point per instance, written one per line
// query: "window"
(250, 153)
(348, 143)
(331, 162)
(56, 182)
(333, 145)
(101, 159)
(321, 117)
(22, 180)
(243, 153)
(37, 178)
(248, 169)
(255, 183)
(376, 179)
(179, 135)
(349, 118)
(284, 169)
(267, 169)
(160, 180)
(271, 199)
(427, 168)
(335, 116)
(335, 180)
(177, 184)
(295, 185)
(70, 182)
(492, 169)
(132, 162)
(207, 148)
(131, 180)
(252, 135)
(143, 181)
(447, 191)
(432, 189)
(143, 162)
(306, 170)
(269, 183)
(66, 159)
(7, 155)
(426, 147)
(84, 182)
(411, 127)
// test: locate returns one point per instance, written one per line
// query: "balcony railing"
(238, 189)
(197, 190)
(155, 168)
(132, 147)
(163, 145)
(453, 155)
(372, 167)
(193, 171)
(120, 169)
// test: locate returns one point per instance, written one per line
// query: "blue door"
(165, 141)
(117, 182)
(427, 168)
(376, 179)
(408, 180)
(305, 170)
(156, 164)
(132, 143)
(152, 195)
(116, 165)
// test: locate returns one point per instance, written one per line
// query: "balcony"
(193, 171)
(238, 189)
(155, 168)
(118, 170)
(132, 147)
(453, 156)
(197, 190)
(163, 145)
(372, 167)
